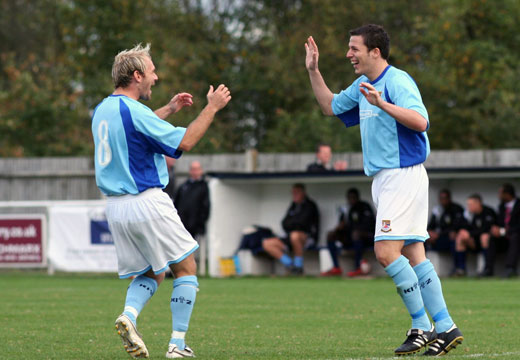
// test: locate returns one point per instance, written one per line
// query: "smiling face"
(359, 55)
(147, 80)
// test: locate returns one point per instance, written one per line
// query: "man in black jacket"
(302, 226)
(355, 230)
(476, 235)
(323, 161)
(508, 226)
(192, 201)
(446, 220)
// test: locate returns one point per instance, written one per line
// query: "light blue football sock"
(182, 302)
(298, 261)
(407, 286)
(286, 260)
(140, 290)
(431, 291)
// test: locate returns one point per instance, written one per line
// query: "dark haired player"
(385, 102)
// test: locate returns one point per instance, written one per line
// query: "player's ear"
(138, 76)
(375, 53)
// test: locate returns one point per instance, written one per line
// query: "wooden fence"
(72, 178)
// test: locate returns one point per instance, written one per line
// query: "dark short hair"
(476, 197)
(446, 192)
(299, 186)
(509, 189)
(374, 36)
(353, 191)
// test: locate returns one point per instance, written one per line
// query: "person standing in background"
(192, 201)
(322, 164)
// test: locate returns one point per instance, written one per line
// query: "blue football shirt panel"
(404, 90)
(162, 137)
(345, 104)
(414, 146)
(115, 177)
(141, 160)
(378, 138)
(162, 169)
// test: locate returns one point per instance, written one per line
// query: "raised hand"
(218, 98)
(179, 101)
(371, 94)
(311, 54)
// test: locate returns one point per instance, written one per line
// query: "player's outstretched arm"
(409, 118)
(176, 103)
(321, 91)
(217, 100)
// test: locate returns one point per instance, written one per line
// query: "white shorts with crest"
(147, 232)
(401, 200)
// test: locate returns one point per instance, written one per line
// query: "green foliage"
(56, 56)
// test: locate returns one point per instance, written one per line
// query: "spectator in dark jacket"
(323, 161)
(476, 235)
(355, 230)
(302, 226)
(508, 227)
(192, 201)
(445, 222)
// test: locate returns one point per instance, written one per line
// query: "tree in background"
(56, 57)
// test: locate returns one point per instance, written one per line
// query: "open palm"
(311, 54)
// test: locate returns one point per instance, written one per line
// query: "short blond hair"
(128, 61)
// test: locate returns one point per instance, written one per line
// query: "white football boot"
(175, 353)
(132, 340)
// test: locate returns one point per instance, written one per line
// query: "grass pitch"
(72, 316)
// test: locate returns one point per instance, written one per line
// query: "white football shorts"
(147, 232)
(401, 200)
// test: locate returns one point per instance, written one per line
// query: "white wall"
(237, 203)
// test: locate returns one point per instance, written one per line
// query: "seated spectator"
(446, 220)
(354, 230)
(192, 201)
(323, 158)
(253, 237)
(301, 224)
(476, 235)
(508, 227)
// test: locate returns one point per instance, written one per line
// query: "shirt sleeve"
(345, 105)
(161, 136)
(403, 92)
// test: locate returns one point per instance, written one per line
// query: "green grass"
(71, 317)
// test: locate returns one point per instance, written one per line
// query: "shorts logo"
(386, 226)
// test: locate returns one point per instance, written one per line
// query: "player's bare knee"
(160, 277)
(186, 267)
(157, 277)
(385, 257)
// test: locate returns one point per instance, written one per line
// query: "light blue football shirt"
(130, 141)
(386, 143)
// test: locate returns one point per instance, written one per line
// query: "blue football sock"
(298, 261)
(140, 290)
(182, 302)
(407, 286)
(286, 260)
(431, 291)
